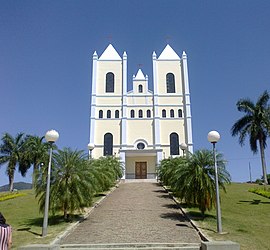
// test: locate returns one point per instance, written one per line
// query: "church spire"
(110, 54)
(168, 54)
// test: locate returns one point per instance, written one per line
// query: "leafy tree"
(35, 152)
(192, 178)
(10, 153)
(256, 124)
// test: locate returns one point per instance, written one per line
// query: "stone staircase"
(138, 246)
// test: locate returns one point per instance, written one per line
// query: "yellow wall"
(130, 164)
(107, 126)
(103, 68)
(140, 100)
(165, 67)
(111, 100)
(139, 129)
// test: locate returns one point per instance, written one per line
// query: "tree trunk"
(35, 169)
(263, 163)
(11, 182)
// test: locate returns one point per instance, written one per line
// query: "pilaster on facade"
(93, 98)
(122, 156)
(187, 104)
(123, 127)
(156, 128)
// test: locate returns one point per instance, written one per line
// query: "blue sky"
(46, 50)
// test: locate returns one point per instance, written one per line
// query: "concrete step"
(141, 246)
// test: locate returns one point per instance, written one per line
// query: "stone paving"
(135, 213)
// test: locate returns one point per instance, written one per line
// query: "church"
(141, 126)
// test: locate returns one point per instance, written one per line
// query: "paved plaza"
(135, 213)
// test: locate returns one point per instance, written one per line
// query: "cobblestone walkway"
(135, 213)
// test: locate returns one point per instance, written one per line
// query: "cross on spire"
(109, 37)
(168, 38)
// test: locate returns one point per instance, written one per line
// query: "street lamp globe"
(183, 146)
(91, 146)
(213, 136)
(51, 136)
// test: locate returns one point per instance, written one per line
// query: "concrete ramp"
(135, 212)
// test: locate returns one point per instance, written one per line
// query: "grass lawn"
(245, 218)
(22, 213)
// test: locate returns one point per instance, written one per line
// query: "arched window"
(140, 88)
(180, 113)
(140, 113)
(100, 114)
(109, 82)
(148, 113)
(172, 113)
(164, 113)
(109, 114)
(116, 114)
(170, 83)
(174, 144)
(132, 113)
(108, 144)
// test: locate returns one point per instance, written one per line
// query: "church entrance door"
(140, 170)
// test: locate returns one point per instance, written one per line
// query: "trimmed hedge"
(262, 192)
(8, 196)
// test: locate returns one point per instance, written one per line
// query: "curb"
(201, 234)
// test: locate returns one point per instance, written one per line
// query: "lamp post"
(51, 136)
(213, 137)
(90, 148)
(183, 146)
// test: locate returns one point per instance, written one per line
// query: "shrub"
(260, 191)
(8, 196)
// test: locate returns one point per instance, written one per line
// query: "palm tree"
(194, 182)
(106, 171)
(192, 178)
(71, 183)
(256, 124)
(35, 153)
(10, 154)
(168, 169)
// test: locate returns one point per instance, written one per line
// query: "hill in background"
(17, 185)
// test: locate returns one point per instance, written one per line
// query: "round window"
(140, 145)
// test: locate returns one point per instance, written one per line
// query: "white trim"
(170, 95)
(122, 156)
(93, 99)
(110, 106)
(168, 60)
(110, 95)
(187, 109)
(123, 127)
(139, 105)
(156, 119)
(170, 105)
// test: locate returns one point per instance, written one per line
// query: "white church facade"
(141, 126)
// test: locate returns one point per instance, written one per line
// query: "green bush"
(260, 191)
(8, 196)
